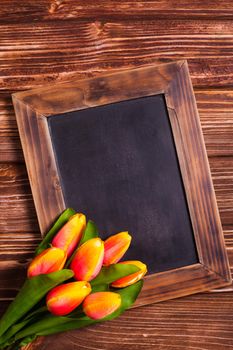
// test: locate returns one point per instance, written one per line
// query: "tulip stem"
(5, 338)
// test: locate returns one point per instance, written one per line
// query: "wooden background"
(45, 41)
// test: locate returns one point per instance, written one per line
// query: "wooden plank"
(17, 213)
(10, 146)
(47, 51)
(222, 175)
(74, 9)
(19, 232)
(205, 72)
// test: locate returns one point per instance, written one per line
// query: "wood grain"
(49, 41)
(75, 9)
(40, 51)
(18, 227)
(10, 146)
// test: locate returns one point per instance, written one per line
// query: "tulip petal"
(134, 277)
(67, 297)
(70, 234)
(88, 260)
(61, 221)
(50, 260)
(115, 247)
(91, 231)
(101, 304)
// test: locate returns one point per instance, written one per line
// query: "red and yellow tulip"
(65, 298)
(50, 260)
(115, 247)
(70, 234)
(134, 277)
(101, 304)
(88, 260)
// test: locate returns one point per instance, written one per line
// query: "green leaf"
(6, 338)
(109, 274)
(50, 324)
(91, 231)
(16, 327)
(54, 324)
(59, 223)
(33, 290)
(68, 325)
(37, 312)
(128, 297)
(100, 288)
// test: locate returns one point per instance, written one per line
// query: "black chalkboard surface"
(118, 164)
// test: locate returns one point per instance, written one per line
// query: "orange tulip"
(115, 247)
(70, 234)
(88, 260)
(134, 277)
(101, 304)
(65, 298)
(50, 260)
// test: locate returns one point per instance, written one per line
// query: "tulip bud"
(70, 234)
(101, 304)
(88, 260)
(134, 277)
(115, 247)
(65, 298)
(50, 260)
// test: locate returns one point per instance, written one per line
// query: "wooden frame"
(172, 79)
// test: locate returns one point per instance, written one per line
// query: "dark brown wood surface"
(47, 41)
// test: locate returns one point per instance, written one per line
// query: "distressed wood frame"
(171, 79)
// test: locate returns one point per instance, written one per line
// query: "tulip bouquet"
(97, 287)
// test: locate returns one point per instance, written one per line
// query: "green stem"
(33, 290)
(18, 326)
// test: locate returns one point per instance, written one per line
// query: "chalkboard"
(127, 150)
(117, 164)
